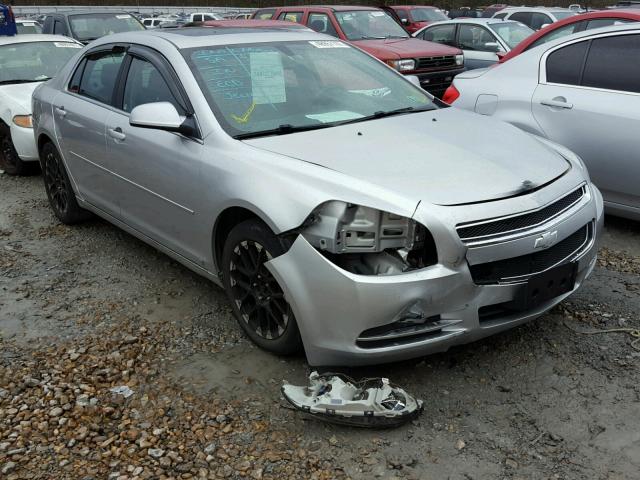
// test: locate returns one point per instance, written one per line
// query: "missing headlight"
(367, 241)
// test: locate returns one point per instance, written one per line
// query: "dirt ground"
(87, 308)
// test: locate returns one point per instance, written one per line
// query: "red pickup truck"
(376, 32)
(414, 17)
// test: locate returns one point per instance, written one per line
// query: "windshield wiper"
(282, 130)
(387, 113)
(19, 80)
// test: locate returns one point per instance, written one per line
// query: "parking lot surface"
(84, 309)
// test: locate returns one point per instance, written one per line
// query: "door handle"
(557, 102)
(116, 133)
(61, 111)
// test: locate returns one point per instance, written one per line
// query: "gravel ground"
(84, 309)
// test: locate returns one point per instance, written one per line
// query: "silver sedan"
(329, 196)
(582, 91)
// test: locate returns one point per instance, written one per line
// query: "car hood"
(19, 94)
(393, 48)
(444, 157)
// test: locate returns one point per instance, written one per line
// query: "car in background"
(489, 11)
(202, 17)
(87, 25)
(377, 33)
(574, 24)
(480, 39)
(289, 185)
(465, 12)
(26, 61)
(414, 17)
(244, 23)
(534, 17)
(153, 22)
(25, 26)
(581, 91)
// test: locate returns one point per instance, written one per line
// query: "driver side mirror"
(404, 21)
(492, 47)
(160, 116)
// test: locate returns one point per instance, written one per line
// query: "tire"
(62, 198)
(9, 160)
(257, 299)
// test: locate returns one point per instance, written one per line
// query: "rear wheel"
(62, 198)
(9, 160)
(256, 297)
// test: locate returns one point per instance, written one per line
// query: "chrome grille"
(519, 268)
(444, 61)
(519, 222)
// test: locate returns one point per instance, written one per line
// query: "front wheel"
(62, 198)
(256, 297)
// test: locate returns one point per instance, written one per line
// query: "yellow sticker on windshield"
(245, 117)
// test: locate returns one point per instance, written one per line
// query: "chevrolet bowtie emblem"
(546, 240)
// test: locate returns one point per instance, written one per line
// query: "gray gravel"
(84, 309)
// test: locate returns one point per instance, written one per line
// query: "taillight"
(451, 94)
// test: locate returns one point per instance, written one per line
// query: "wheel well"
(42, 139)
(226, 221)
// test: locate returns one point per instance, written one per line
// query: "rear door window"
(320, 22)
(99, 76)
(564, 65)
(612, 64)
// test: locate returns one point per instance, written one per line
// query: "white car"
(534, 17)
(153, 22)
(203, 17)
(581, 91)
(480, 39)
(25, 62)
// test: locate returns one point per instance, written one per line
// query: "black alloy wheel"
(257, 299)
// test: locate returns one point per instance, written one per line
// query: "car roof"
(414, 6)
(535, 9)
(211, 36)
(34, 37)
(244, 23)
(629, 27)
(68, 13)
(335, 8)
(476, 21)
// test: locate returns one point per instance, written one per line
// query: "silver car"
(582, 91)
(329, 196)
(480, 39)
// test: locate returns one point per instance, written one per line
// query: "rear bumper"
(334, 308)
(437, 82)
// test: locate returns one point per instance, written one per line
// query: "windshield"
(563, 15)
(34, 61)
(297, 85)
(369, 24)
(511, 32)
(427, 15)
(25, 28)
(95, 25)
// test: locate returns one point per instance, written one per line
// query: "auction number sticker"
(328, 44)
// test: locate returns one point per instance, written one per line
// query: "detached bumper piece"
(335, 398)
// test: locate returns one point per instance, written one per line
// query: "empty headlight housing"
(368, 241)
(404, 65)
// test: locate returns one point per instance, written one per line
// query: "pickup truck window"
(369, 25)
(291, 16)
(87, 27)
(321, 23)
